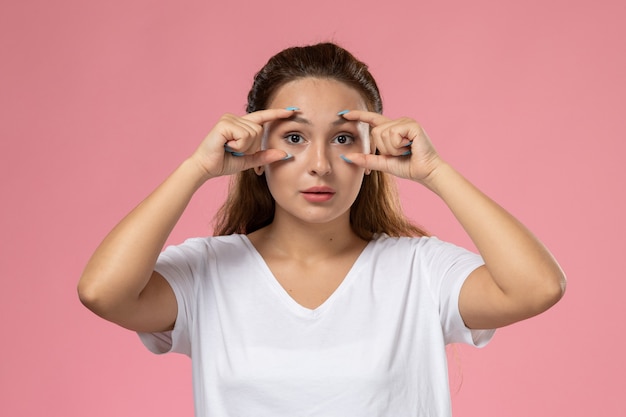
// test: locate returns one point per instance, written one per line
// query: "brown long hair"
(250, 205)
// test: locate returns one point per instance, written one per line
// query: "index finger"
(263, 116)
(371, 118)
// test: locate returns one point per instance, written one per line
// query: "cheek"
(272, 180)
(349, 174)
(280, 172)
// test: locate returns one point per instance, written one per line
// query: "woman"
(317, 297)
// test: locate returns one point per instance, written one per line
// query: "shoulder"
(206, 247)
(214, 242)
(383, 242)
(427, 251)
(395, 252)
(199, 258)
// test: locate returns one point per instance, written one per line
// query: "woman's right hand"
(234, 144)
(119, 282)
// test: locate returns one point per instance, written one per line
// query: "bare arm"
(119, 282)
(520, 277)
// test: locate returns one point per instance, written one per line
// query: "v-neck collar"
(295, 307)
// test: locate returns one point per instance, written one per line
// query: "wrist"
(195, 172)
(441, 175)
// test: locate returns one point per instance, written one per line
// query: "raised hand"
(403, 147)
(234, 144)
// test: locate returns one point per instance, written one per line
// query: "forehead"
(310, 93)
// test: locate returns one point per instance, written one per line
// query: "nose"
(319, 160)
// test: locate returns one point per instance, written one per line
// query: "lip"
(318, 194)
(320, 189)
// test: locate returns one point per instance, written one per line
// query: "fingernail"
(341, 113)
(233, 152)
(292, 108)
(408, 144)
(289, 156)
(346, 159)
(406, 153)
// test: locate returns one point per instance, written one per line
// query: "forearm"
(122, 265)
(518, 262)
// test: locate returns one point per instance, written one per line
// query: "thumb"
(265, 157)
(369, 161)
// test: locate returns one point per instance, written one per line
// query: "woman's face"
(316, 185)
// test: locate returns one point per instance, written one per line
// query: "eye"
(294, 138)
(344, 139)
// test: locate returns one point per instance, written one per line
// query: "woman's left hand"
(404, 149)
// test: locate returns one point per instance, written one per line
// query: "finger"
(246, 136)
(263, 116)
(260, 158)
(384, 163)
(371, 118)
(393, 139)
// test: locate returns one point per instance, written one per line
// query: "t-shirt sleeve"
(450, 265)
(180, 266)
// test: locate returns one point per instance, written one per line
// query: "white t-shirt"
(375, 347)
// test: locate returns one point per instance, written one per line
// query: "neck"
(306, 241)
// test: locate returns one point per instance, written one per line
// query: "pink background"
(99, 101)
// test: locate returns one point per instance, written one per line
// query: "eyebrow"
(300, 119)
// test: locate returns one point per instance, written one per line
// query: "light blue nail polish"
(406, 153)
(341, 113)
(408, 144)
(289, 156)
(292, 108)
(233, 152)
(346, 159)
